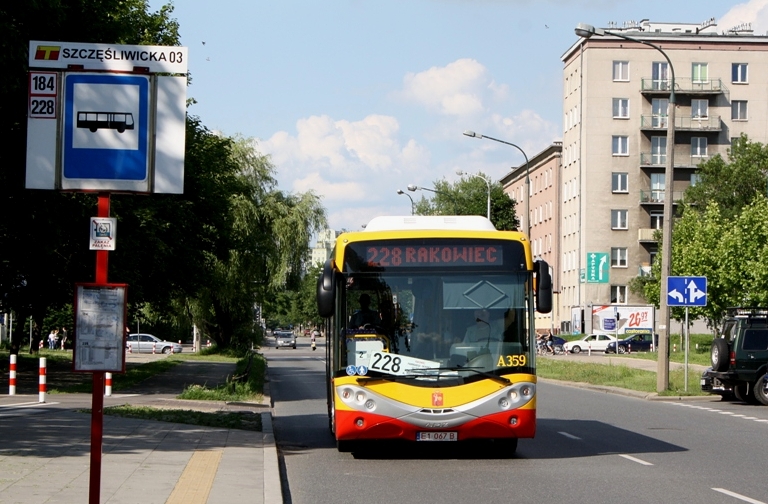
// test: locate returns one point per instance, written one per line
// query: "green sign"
(597, 267)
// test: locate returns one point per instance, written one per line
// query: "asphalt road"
(591, 447)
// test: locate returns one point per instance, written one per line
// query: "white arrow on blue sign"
(686, 291)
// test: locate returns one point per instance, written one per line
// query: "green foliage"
(469, 196)
(244, 420)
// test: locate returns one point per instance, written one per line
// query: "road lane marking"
(634, 459)
(26, 405)
(570, 436)
(196, 480)
(738, 496)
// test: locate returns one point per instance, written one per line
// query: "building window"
(620, 146)
(618, 219)
(739, 73)
(739, 110)
(660, 75)
(619, 182)
(699, 73)
(618, 257)
(695, 178)
(658, 150)
(621, 71)
(699, 147)
(658, 184)
(621, 108)
(657, 219)
(699, 109)
(659, 111)
(619, 294)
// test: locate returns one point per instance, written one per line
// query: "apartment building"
(614, 148)
(326, 240)
(540, 209)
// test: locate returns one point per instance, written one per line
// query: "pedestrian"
(315, 334)
(64, 337)
(52, 339)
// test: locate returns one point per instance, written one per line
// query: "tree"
(43, 254)
(469, 196)
(734, 184)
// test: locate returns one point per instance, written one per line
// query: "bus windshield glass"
(426, 310)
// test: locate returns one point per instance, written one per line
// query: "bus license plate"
(437, 436)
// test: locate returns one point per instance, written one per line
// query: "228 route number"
(42, 107)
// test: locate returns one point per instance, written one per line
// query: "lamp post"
(487, 182)
(400, 191)
(412, 187)
(662, 371)
(527, 177)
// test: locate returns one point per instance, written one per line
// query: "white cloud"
(455, 89)
(754, 11)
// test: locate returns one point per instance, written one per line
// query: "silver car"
(147, 343)
(285, 339)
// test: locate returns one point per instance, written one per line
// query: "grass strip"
(251, 389)
(244, 420)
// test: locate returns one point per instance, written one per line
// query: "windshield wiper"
(500, 379)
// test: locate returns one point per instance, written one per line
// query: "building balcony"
(684, 85)
(656, 196)
(646, 235)
(682, 123)
(651, 159)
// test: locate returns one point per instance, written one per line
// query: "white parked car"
(147, 343)
(590, 342)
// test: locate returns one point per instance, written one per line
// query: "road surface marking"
(571, 436)
(738, 496)
(634, 459)
(196, 481)
(26, 405)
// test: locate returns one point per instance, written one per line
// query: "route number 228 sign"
(43, 94)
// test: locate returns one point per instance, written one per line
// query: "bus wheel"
(508, 446)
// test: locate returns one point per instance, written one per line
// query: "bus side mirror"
(326, 291)
(543, 287)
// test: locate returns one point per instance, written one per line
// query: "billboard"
(631, 319)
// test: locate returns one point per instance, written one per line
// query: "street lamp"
(487, 182)
(412, 187)
(400, 191)
(527, 177)
(662, 374)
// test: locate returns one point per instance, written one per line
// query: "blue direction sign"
(686, 291)
(106, 127)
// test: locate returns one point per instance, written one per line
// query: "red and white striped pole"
(154, 348)
(108, 384)
(42, 384)
(12, 376)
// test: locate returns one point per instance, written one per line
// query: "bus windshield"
(426, 325)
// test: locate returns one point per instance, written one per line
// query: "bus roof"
(419, 222)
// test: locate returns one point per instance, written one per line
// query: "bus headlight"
(504, 403)
(346, 393)
(360, 397)
(370, 404)
(527, 391)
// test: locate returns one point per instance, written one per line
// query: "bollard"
(108, 384)
(589, 349)
(629, 348)
(12, 376)
(154, 348)
(129, 348)
(42, 382)
(674, 347)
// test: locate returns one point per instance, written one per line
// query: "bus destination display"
(433, 255)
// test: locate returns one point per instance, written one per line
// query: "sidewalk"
(45, 448)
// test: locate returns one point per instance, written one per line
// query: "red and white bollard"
(154, 348)
(108, 384)
(130, 350)
(629, 348)
(42, 382)
(589, 349)
(674, 347)
(12, 376)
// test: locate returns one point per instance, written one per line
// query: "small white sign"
(103, 230)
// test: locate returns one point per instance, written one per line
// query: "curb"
(273, 494)
(648, 396)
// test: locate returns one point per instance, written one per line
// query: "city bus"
(448, 353)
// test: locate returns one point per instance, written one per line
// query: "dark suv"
(740, 357)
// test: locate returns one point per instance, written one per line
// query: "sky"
(355, 99)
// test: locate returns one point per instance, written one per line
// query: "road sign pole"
(687, 340)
